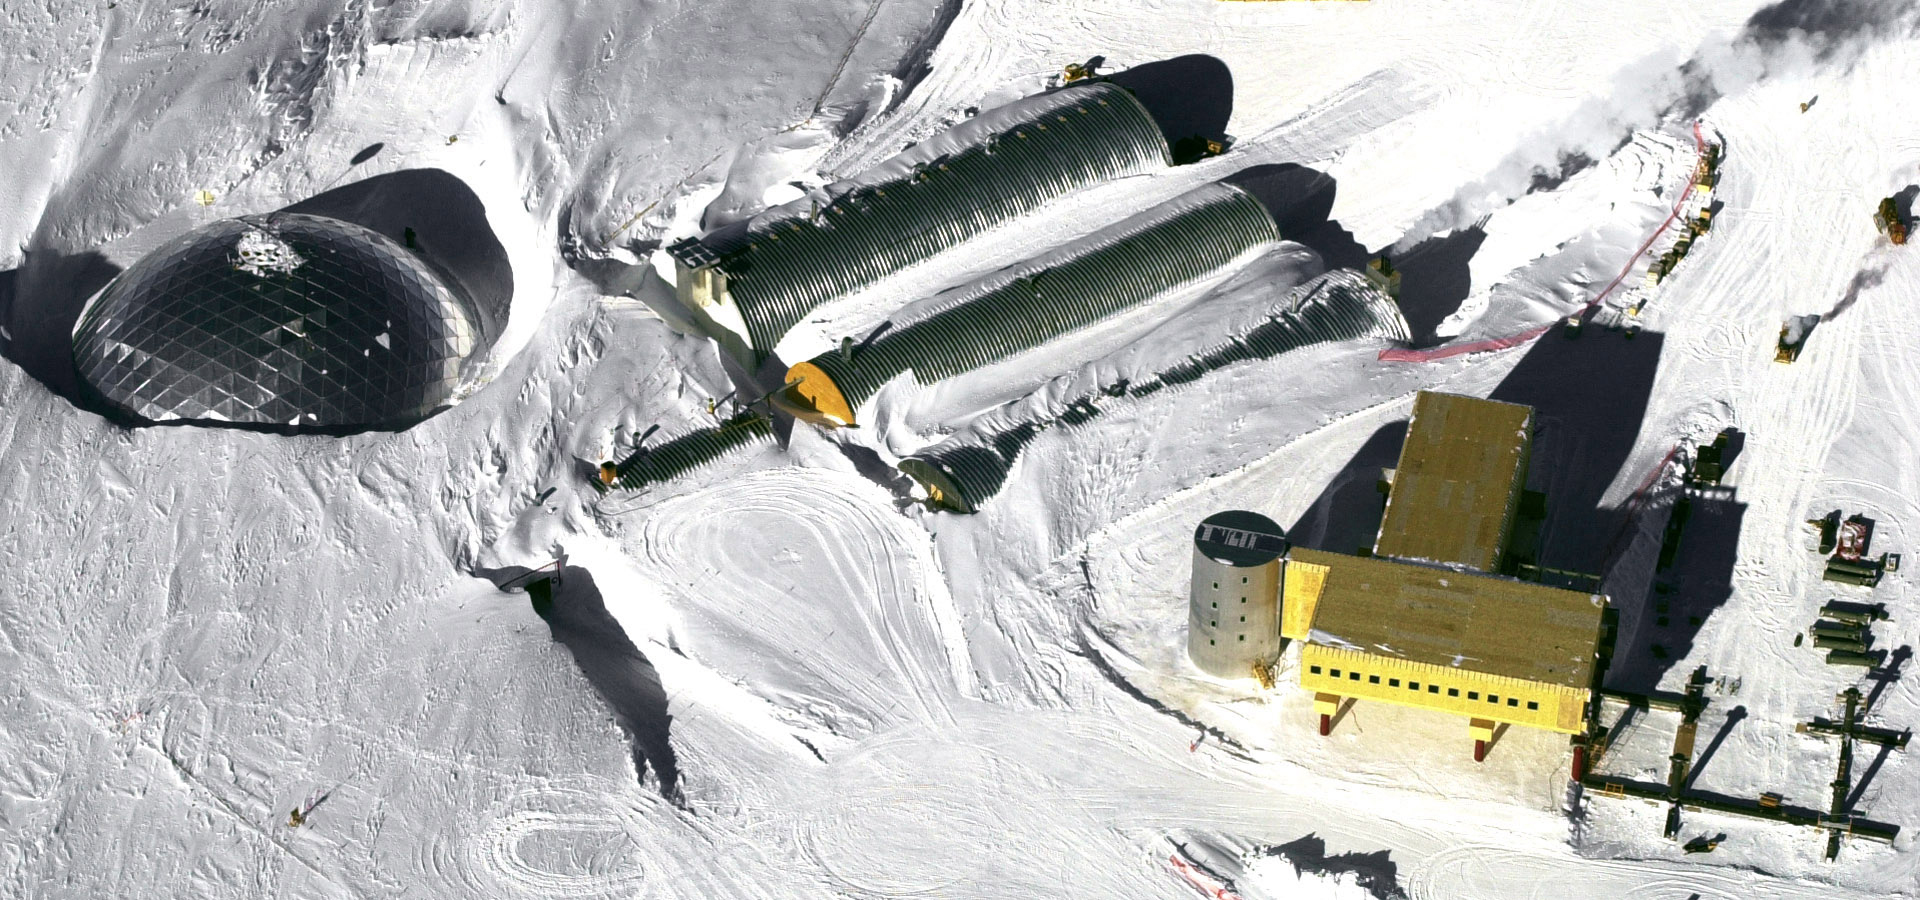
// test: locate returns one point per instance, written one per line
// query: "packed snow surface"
(780, 675)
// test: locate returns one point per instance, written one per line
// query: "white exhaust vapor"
(1788, 38)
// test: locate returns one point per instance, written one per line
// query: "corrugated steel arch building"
(786, 262)
(1021, 308)
(961, 475)
(1340, 305)
(964, 471)
(690, 451)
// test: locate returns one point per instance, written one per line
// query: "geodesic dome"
(285, 320)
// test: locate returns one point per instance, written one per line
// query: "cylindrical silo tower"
(1234, 615)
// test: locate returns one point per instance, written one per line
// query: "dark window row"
(1431, 688)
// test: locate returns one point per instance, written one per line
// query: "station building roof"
(1444, 617)
(1458, 482)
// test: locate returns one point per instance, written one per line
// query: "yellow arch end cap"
(941, 491)
(811, 396)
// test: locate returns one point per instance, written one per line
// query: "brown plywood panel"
(1463, 620)
(1459, 478)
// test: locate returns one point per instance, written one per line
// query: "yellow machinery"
(1706, 176)
(1706, 173)
(1784, 352)
(1793, 336)
(1887, 219)
(1383, 275)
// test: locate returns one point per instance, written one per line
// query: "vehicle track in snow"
(1796, 413)
(833, 583)
(940, 803)
(1493, 870)
(562, 840)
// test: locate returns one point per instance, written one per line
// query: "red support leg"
(1579, 762)
(1479, 751)
(1326, 725)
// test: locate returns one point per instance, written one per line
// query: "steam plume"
(1787, 38)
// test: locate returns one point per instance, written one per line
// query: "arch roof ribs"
(1018, 309)
(1338, 306)
(971, 467)
(692, 450)
(1000, 165)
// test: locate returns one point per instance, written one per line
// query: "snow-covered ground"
(779, 676)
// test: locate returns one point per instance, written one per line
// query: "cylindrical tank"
(1234, 607)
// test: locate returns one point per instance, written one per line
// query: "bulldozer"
(1887, 220)
(1793, 337)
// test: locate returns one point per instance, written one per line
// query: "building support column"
(1482, 732)
(1326, 706)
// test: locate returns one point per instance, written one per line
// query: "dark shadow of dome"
(434, 214)
(39, 303)
(1188, 95)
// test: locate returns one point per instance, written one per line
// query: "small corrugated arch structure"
(752, 282)
(1340, 305)
(689, 451)
(966, 470)
(1023, 307)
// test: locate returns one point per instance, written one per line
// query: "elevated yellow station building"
(1423, 621)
